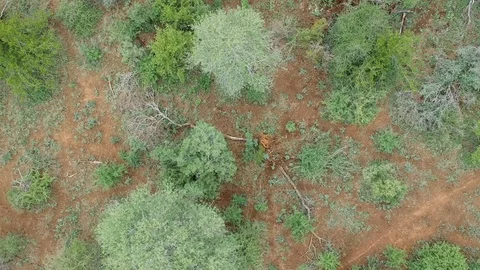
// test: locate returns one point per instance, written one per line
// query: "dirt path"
(421, 225)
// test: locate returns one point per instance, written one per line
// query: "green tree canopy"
(164, 231)
(29, 52)
(201, 163)
(237, 49)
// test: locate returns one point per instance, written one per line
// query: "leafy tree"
(76, 255)
(396, 258)
(370, 59)
(379, 185)
(164, 231)
(79, 16)
(237, 49)
(110, 174)
(29, 52)
(32, 191)
(10, 247)
(439, 255)
(201, 163)
(329, 260)
(168, 53)
(299, 225)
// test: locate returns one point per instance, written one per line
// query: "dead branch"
(304, 204)
(96, 162)
(4, 8)
(469, 13)
(162, 115)
(234, 138)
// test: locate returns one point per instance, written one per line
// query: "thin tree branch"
(304, 204)
(234, 138)
(4, 8)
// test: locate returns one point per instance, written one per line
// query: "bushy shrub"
(76, 255)
(29, 56)
(164, 231)
(237, 49)
(386, 141)
(168, 53)
(233, 215)
(380, 186)
(92, 54)
(439, 255)
(251, 239)
(180, 14)
(11, 246)
(299, 225)
(110, 174)
(79, 16)
(134, 156)
(329, 260)
(253, 150)
(371, 60)
(141, 17)
(31, 191)
(132, 53)
(322, 157)
(312, 38)
(396, 258)
(291, 127)
(201, 163)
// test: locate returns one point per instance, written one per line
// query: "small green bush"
(291, 126)
(32, 191)
(386, 141)
(11, 246)
(200, 164)
(92, 54)
(396, 258)
(233, 214)
(237, 49)
(239, 200)
(76, 255)
(110, 174)
(253, 150)
(329, 260)
(180, 14)
(440, 255)
(29, 56)
(169, 51)
(299, 225)
(379, 185)
(79, 16)
(261, 204)
(134, 156)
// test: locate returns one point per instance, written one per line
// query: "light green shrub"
(110, 174)
(200, 164)
(252, 245)
(386, 141)
(79, 16)
(329, 260)
(396, 258)
(76, 255)
(237, 49)
(92, 54)
(380, 186)
(439, 255)
(164, 231)
(11, 246)
(299, 225)
(180, 14)
(29, 56)
(31, 191)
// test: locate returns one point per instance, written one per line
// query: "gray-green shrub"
(79, 16)
(237, 49)
(164, 231)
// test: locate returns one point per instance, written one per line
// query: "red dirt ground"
(421, 217)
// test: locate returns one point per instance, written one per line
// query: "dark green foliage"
(31, 191)
(253, 150)
(180, 14)
(76, 255)
(11, 246)
(233, 215)
(386, 141)
(250, 236)
(110, 174)
(29, 56)
(380, 186)
(370, 60)
(322, 157)
(329, 260)
(439, 255)
(239, 200)
(134, 156)
(200, 164)
(299, 225)
(79, 16)
(141, 17)
(164, 231)
(237, 49)
(93, 55)
(168, 53)
(396, 258)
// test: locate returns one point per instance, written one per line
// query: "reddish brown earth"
(422, 217)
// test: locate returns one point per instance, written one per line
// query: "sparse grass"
(11, 247)
(347, 217)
